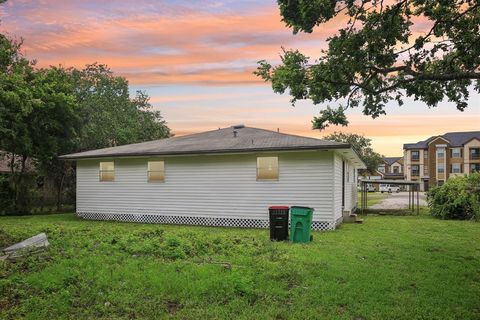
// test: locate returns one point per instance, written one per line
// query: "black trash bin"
(278, 223)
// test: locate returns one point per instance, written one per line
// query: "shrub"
(7, 195)
(458, 198)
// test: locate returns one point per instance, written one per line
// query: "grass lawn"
(412, 267)
(372, 198)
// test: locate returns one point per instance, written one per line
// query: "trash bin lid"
(279, 207)
(300, 207)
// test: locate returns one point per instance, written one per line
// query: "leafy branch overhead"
(381, 53)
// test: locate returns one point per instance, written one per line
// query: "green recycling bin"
(301, 224)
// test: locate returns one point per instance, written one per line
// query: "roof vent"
(238, 126)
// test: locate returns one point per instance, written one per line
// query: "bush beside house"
(458, 198)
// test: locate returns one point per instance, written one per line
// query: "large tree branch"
(437, 23)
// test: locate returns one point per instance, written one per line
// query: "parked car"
(389, 188)
(371, 188)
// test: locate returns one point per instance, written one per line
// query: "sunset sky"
(195, 59)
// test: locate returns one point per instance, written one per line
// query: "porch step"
(352, 218)
(358, 220)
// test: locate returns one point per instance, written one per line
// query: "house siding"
(350, 187)
(212, 186)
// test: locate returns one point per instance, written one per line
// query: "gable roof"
(391, 160)
(456, 139)
(247, 139)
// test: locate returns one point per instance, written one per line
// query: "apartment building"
(437, 158)
(392, 168)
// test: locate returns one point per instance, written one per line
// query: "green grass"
(372, 198)
(412, 267)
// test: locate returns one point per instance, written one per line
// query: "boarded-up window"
(267, 168)
(107, 171)
(156, 171)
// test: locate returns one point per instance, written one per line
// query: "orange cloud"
(151, 47)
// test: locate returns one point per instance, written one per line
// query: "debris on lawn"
(28, 246)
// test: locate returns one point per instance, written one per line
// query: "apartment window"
(396, 169)
(440, 182)
(381, 168)
(441, 168)
(456, 168)
(267, 168)
(475, 154)
(456, 153)
(415, 170)
(156, 171)
(440, 153)
(475, 167)
(107, 171)
(415, 155)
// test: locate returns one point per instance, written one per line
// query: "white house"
(225, 177)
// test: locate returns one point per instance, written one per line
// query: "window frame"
(417, 171)
(417, 152)
(459, 168)
(277, 178)
(459, 152)
(474, 153)
(101, 171)
(149, 179)
(474, 167)
(442, 168)
(443, 153)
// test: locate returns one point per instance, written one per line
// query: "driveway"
(399, 201)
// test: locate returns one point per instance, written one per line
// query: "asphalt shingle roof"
(391, 160)
(456, 139)
(216, 141)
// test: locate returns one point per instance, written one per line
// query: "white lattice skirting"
(200, 221)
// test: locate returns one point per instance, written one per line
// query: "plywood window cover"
(107, 171)
(267, 168)
(156, 171)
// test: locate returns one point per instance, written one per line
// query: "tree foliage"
(37, 116)
(362, 145)
(110, 117)
(52, 111)
(380, 54)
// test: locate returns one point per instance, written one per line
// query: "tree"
(108, 114)
(55, 125)
(37, 116)
(52, 111)
(362, 145)
(378, 55)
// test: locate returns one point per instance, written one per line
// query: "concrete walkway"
(398, 201)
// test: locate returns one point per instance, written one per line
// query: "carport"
(412, 186)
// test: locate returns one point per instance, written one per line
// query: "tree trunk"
(13, 178)
(60, 189)
(23, 189)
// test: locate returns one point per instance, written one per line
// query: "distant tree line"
(47, 112)
(363, 146)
